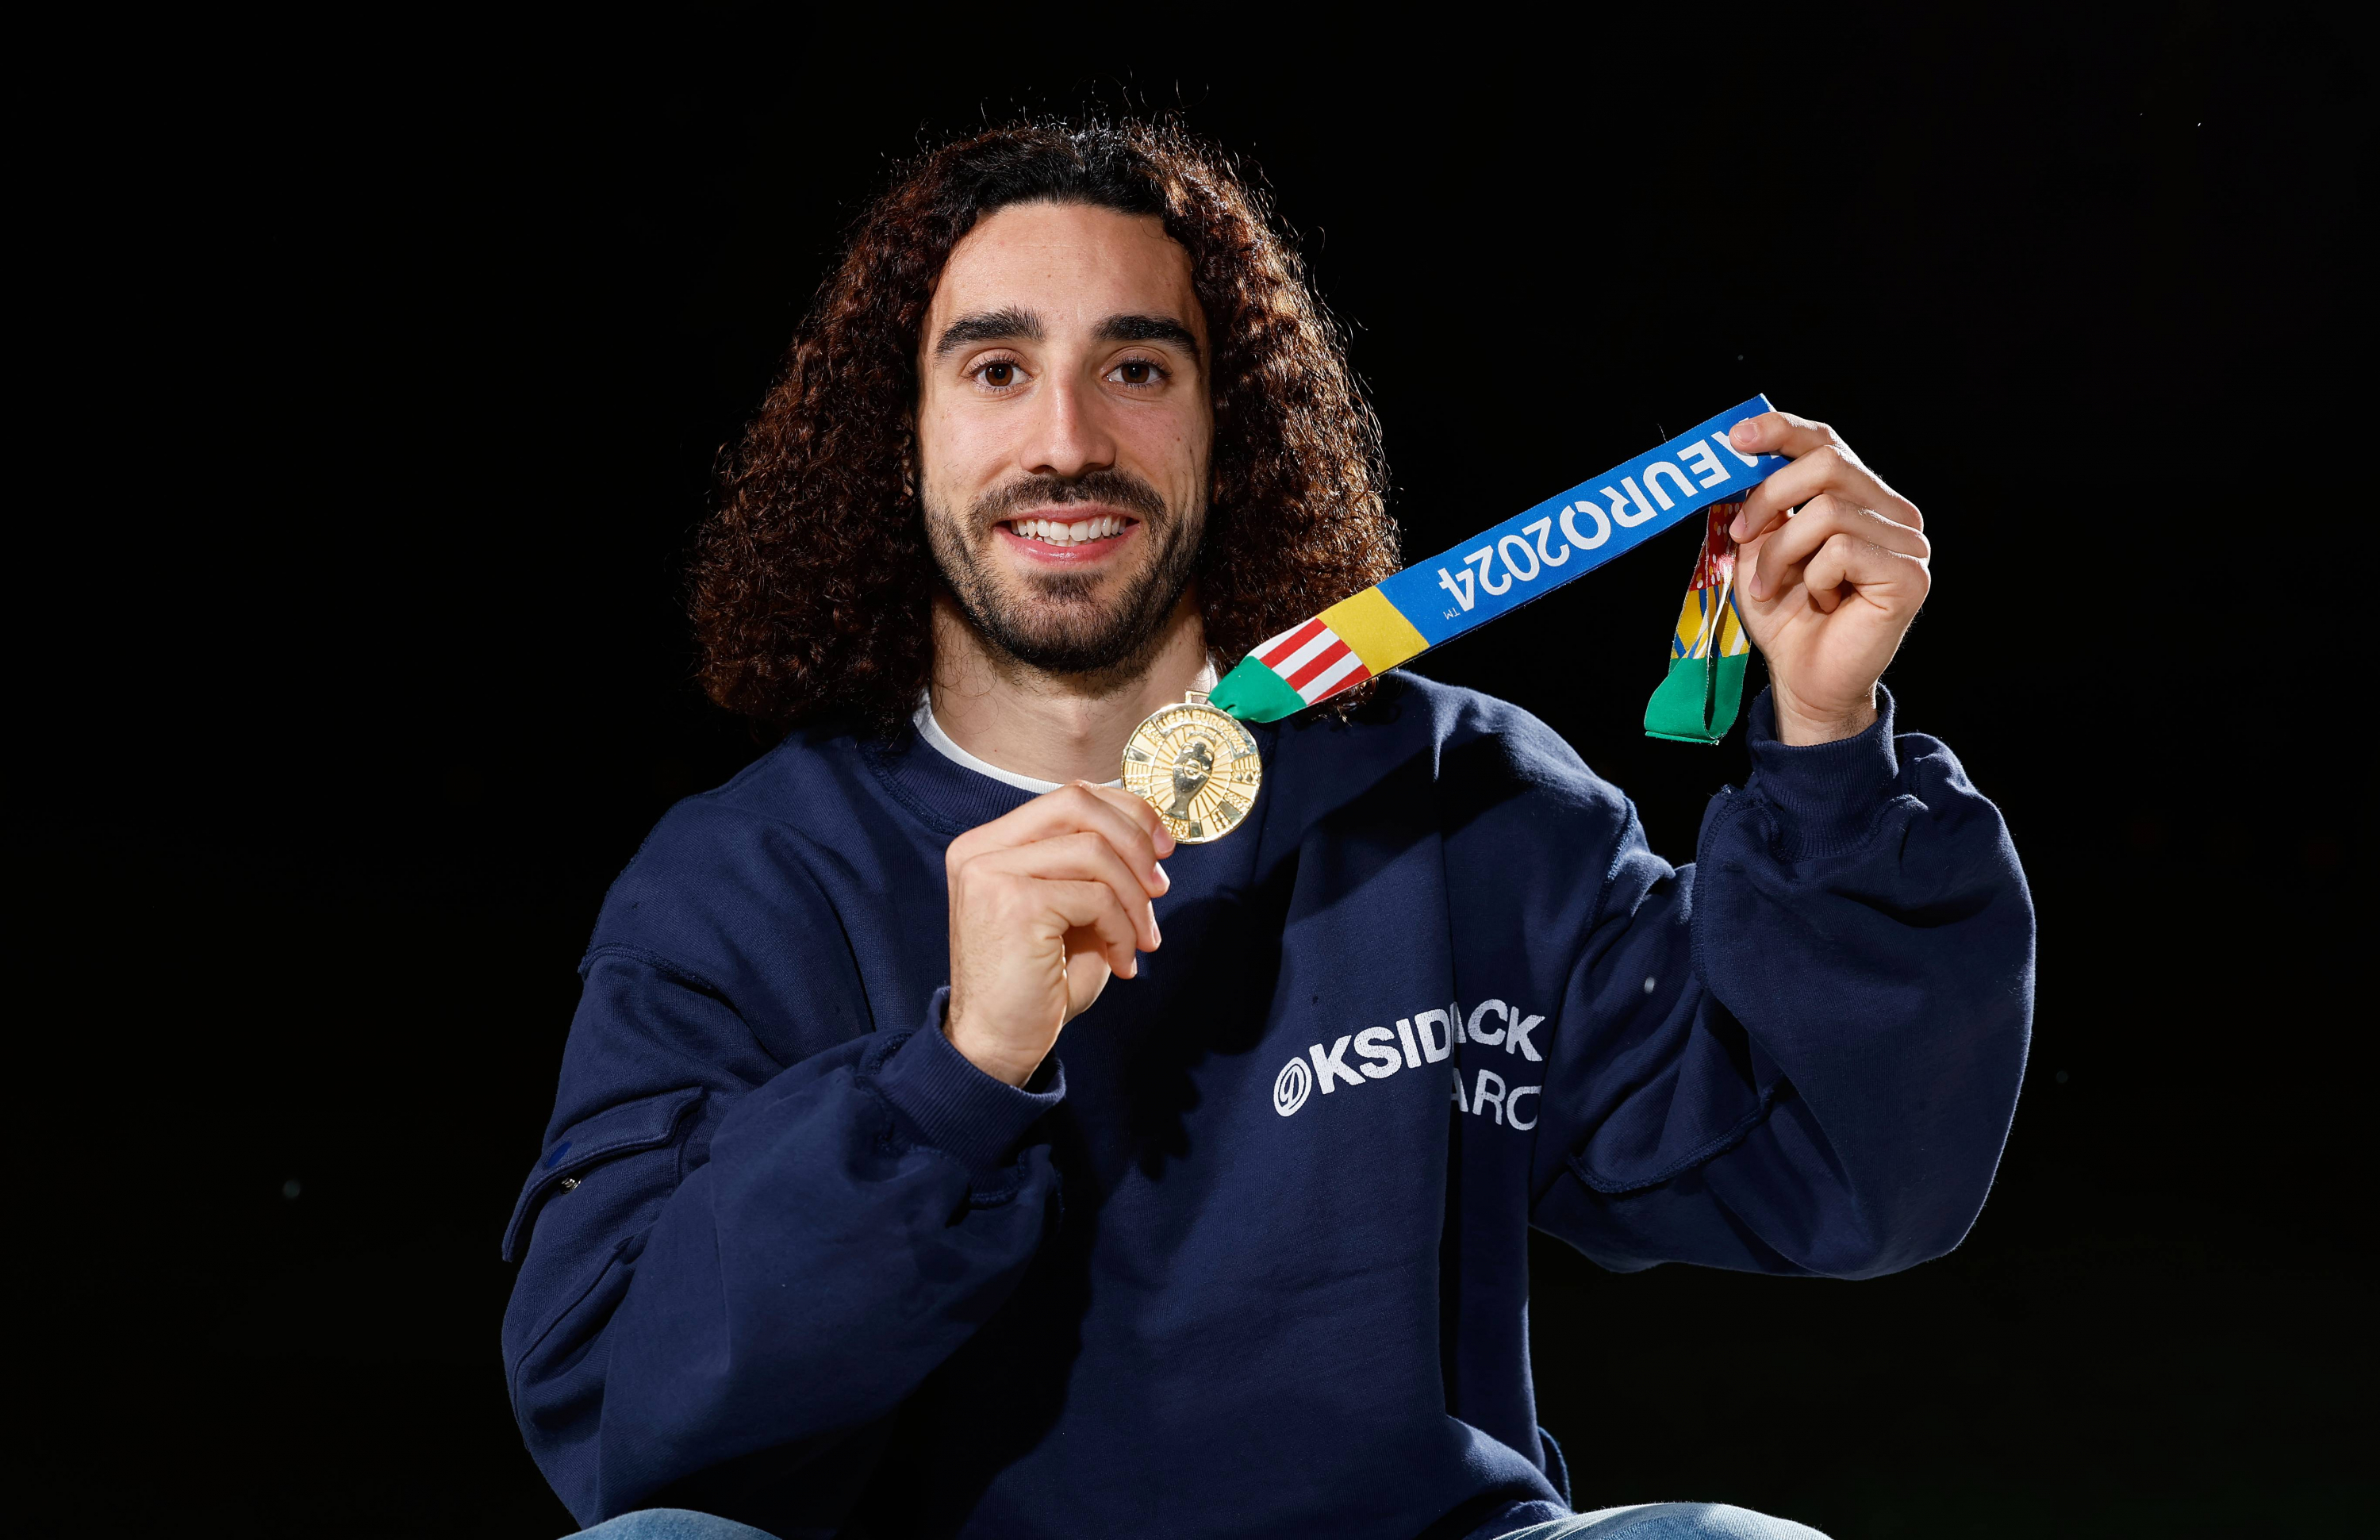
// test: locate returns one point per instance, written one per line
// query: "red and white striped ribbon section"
(1312, 661)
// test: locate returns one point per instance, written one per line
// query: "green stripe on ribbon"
(1697, 703)
(1254, 693)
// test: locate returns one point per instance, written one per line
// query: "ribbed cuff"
(956, 1108)
(1826, 795)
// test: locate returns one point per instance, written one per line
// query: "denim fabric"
(1669, 1521)
(673, 1523)
(1661, 1521)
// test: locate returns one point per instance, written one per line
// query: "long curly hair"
(811, 581)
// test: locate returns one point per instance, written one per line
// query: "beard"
(1058, 623)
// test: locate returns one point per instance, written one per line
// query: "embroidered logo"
(1289, 1091)
(1425, 1038)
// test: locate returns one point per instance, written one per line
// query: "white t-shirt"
(947, 746)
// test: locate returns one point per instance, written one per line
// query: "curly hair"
(811, 581)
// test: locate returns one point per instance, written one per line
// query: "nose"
(1069, 437)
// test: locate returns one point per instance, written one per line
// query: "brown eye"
(1135, 372)
(998, 376)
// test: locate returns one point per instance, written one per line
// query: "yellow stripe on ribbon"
(1732, 642)
(1687, 640)
(1375, 629)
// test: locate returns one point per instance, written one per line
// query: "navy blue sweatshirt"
(1248, 1257)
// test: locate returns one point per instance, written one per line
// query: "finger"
(1831, 468)
(1136, 810)
(1077, 808)
(1126, 822)
(1080, 857)
(1070, 809)
(1092, 906)
(1821, 519)
(1849, 569)
(1781, 434)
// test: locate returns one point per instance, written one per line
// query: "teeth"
(1104, 528)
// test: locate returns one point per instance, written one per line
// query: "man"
(940, 1150)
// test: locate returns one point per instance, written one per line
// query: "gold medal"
(1198, 766)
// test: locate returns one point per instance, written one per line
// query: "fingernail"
(1156, 936)
(1164, 879)
(1743, 432)
(1739, 530)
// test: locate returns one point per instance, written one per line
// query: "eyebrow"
(1011, 323)
(1122, 328)
(1000, 325)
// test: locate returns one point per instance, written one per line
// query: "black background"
(377, 382)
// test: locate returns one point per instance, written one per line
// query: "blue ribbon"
(1535, 552)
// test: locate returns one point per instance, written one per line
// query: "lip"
(1088, 553)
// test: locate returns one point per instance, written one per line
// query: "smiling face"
(1064, 431)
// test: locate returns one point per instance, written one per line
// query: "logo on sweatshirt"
(1425, 1038)
(1290, 1090)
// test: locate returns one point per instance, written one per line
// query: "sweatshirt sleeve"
(1802, 1053)
(708, 1228)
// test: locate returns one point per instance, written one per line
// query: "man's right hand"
(1045, 903)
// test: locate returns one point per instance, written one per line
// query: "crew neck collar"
(949, 748)
(941, 792)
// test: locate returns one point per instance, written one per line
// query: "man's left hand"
(1831, 569)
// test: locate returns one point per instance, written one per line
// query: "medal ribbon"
(1526, 557)
(1709, 653)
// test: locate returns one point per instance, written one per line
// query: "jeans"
(1659, 1520)
(672, 1523)
(1669, 1521)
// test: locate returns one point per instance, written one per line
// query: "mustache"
(1116, 489)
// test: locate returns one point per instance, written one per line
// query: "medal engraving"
(1198, 766)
